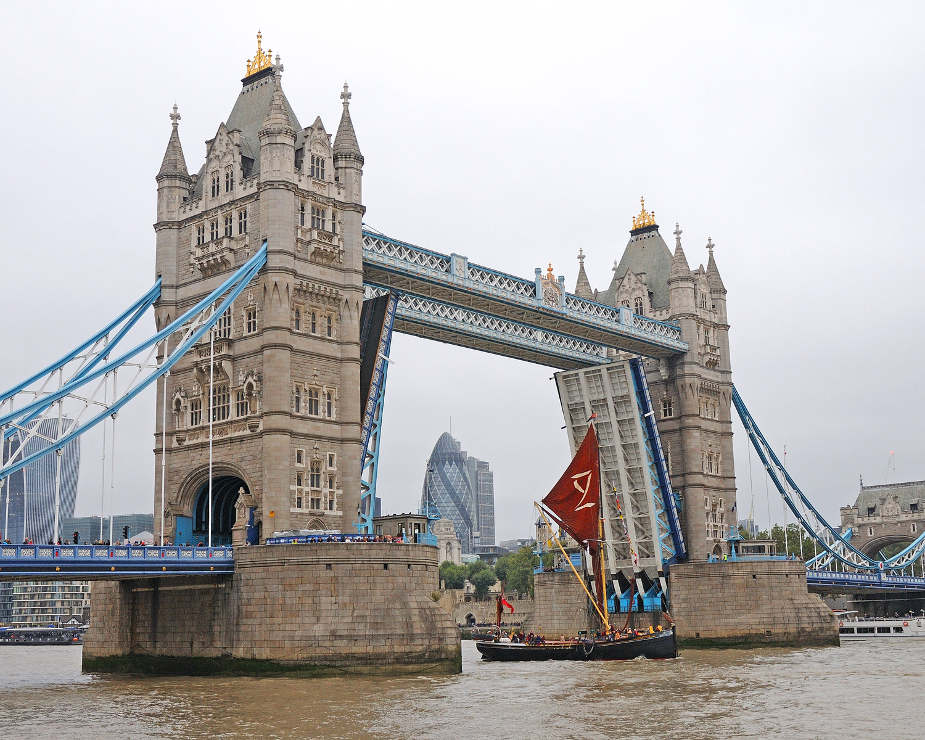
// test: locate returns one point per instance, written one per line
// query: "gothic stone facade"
(692, 393)
(887, 514)
(286, 404)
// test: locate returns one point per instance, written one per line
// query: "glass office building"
(460, 488)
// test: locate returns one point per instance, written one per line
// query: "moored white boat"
(859, 628)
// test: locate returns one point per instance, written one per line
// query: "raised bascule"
(274, 308)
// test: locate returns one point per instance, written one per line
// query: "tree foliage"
(515, 570)
(482, 580)
(452, 575)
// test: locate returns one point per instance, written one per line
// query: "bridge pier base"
(315, 609)
(748, 603)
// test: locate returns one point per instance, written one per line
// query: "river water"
(860, 690)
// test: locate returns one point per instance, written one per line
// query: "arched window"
(639, 306)
(625, 302)
(314, 480)
(667, 409)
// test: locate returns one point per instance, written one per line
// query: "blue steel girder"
(452, 281)
(372, 422)
(831, 580)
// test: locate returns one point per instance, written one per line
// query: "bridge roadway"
(830, 581)
(449, 299)
(109, 563)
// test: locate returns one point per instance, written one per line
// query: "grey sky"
(791, 133)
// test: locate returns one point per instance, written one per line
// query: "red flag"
(506, 603)
(575, 499)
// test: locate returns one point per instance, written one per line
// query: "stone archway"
(225, 492)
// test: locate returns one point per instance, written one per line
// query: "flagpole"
(569, 561)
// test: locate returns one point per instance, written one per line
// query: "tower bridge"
(270, 363)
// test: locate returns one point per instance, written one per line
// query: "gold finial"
(549, 275)
(645, 218)
(262, 59)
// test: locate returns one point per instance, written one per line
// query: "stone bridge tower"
(885, 515)
(691, 393)
(285, 404)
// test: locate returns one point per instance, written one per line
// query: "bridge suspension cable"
(836, 546)
(75, 389)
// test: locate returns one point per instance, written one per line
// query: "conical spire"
(345, 141)
(174, 163)
(277, 119)
(679, 266)
(582, 284)
(713, 277)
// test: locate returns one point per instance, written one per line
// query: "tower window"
(333, 221)
(667, 409)
(221, 402)
(314, 480)
(195, 412)
(329, 328)
(242, 221)
(241, 404)
(229, 225)
(300, 457)
(314, 402)
(332, 460)
(638, 306)
(298, 319)
(213, 229)
(229, 180)
(317, 167)
(314, 327)
(302, 213)
(299, 480)
(200, 234)
(329, 404)
(214, 184)
(250, 319)
(318, 217)
(298, 400)
(223, 325)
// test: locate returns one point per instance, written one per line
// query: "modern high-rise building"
(29, 494)
(38, 604)
(88, 527)
(460, 488)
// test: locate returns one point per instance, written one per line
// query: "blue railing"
(97, 560)
(865, 580)
(421, 538)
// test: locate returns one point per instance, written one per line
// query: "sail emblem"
(583, 490)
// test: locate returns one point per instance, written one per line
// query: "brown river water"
(860, 690)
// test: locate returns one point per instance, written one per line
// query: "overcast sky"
(791, 133)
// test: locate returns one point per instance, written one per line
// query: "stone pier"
(317, 609)
(748, 603)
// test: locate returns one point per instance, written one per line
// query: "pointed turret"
(277, 120)
(345, 141)
(582, 284)
(679, 266)
(713, 276)
(173, 180)
(174, 163)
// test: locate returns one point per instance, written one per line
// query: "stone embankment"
(314, 609)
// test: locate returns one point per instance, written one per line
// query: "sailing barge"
(576, 504)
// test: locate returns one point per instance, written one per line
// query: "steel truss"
(86, 386)
(836, 546)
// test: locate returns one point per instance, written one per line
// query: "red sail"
(575, 499)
